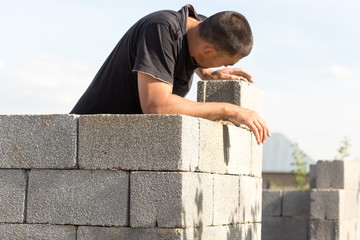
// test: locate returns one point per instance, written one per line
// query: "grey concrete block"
(97, 233)
(324, 170)
(256, 231)
(256, 157)
(252, 98)
(78, 197)
(37, 231)
(213, 150)
(138, 142)
(38, 141)
(12, 195)
(250, 199)
(222, 232)
(296, 203)
(312, 176)
(349, 207)
(351, 176)
(349, 229)
(170, 199)
(219, 91)
(338, 204)
(239, 151)
(224, 149)
(271, 203)
(324, 230)
(226, 199)
(338, 174)
(284, 228)
(235, 92)
(225, 232)
(231, 232)
(324, 204)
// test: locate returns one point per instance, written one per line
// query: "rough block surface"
(239, 150)
(219, 91)
(37, 231)
(250, 199)
(349, 204)
(324, 204)
(78, 197)
(170, 199)
(349, 229)
(282, 228)
(213, 150)
(225, 232)
(226, 199)
(312, 176)
(38, 141)
(338, 174)
(138, 142)
(271, 203)
(296, 203)
(231, 91)
(256, 157)
(96, 233)
(324, 230)
(224, 148)
(12, 195)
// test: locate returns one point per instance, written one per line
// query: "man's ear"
(209, 51)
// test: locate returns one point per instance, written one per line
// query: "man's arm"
(156, 98)
(224, 74)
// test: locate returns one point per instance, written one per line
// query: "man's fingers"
(255, 131)
(261, 131)
(233, 77)
(266, 130)
(241, 73)
(245, 79)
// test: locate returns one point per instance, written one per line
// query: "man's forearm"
(174, 104)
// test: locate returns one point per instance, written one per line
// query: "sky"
(305, 58)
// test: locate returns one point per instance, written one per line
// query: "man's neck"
(193, 37)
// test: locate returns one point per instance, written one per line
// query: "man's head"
(229, 32)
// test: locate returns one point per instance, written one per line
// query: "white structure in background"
(277, 160)
(277, 155)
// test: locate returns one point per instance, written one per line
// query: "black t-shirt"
(156, 45)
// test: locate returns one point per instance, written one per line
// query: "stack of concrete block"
(285, 214)
(330, 210)
(238, 93)
(127, 177)
(335, 200)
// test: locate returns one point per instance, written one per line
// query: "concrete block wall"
(335, 200)
(329, 210)
(128, 177)
(285, 214)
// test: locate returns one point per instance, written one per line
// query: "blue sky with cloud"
(305, 58)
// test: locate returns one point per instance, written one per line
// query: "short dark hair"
(228, 31)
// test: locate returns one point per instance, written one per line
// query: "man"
(151, 68)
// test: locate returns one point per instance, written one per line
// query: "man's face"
(217, 60)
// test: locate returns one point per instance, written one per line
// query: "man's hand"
(224, 74)
(251, 119)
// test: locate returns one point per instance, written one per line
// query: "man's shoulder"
(165, 17)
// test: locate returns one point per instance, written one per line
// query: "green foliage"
(343, 150)
(300, 174)
(276, 185)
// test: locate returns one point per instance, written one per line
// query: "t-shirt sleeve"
(155, 53)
